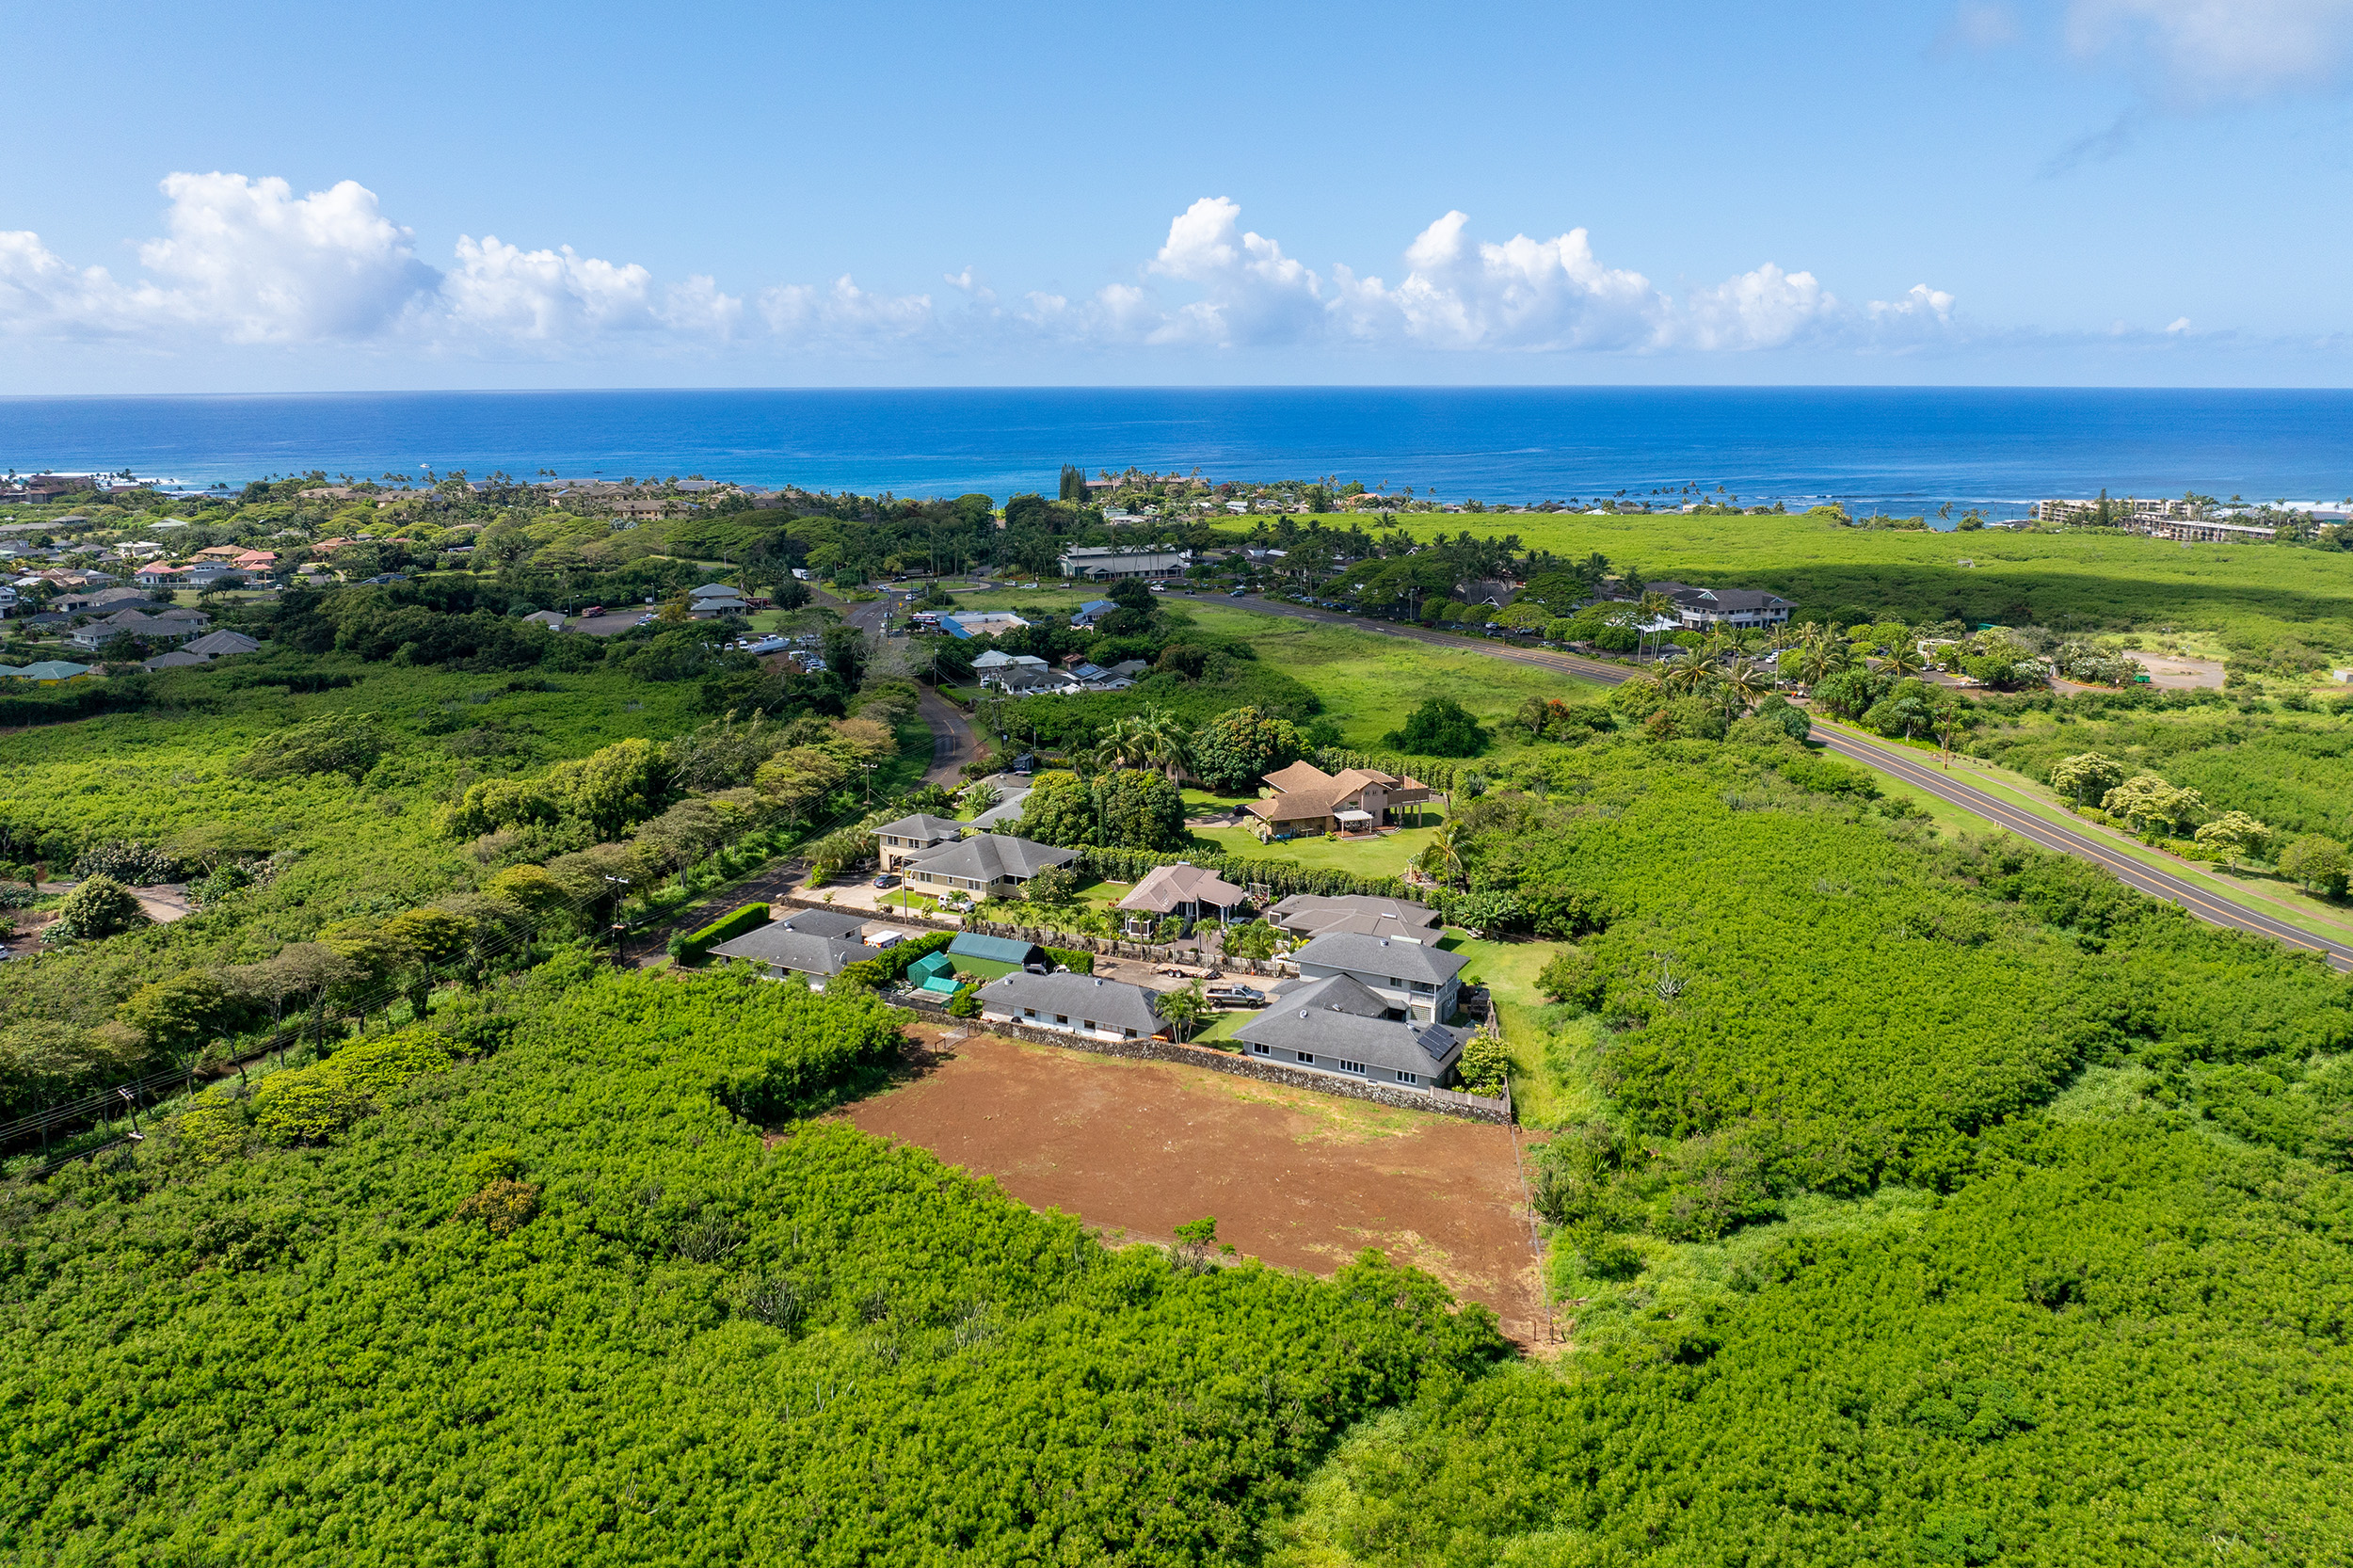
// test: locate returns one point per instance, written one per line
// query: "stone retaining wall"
(1446, 1102)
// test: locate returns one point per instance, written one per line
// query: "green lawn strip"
(2280, 903)
(1387, 856)
(1552, 1080)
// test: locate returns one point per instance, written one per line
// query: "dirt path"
(1296, 1178)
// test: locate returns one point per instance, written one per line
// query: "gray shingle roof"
(1335, 993)
(832, 923)
(1111, 1004)
(218, 643)
(922, 826)
(1331, 1037)
(988, 856)
(1380, 955)
(1164, 887)
(822, 956)
(1313, 914)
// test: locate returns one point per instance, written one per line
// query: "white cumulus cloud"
(1252, 294)
(250, 259)
(846, 315)
(247, 261)
(1521, 293)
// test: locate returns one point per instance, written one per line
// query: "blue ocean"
(1903, 450)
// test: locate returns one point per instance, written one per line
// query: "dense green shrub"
(810, 1346)
(686, 947)
(1439, 726)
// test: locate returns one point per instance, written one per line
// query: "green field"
(2254, 597)
(1367, 682)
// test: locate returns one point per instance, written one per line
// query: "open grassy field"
(2254, 596)
(1367, 682)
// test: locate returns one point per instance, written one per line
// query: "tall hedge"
(687, 947)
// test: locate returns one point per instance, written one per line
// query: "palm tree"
(1443, 855)
(1689, 672)
(1746, 684)
(1152, 739)
(1905, 658)
(1650, 606)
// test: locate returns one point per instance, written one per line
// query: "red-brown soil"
(1296, 1178)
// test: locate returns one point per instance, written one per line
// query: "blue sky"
(255, 197)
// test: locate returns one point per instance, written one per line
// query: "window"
(1086, 1023)
(1407, 1078)
(1062, 1017)
(1304, 1057)
(1128, 1032)
(1260, 1051)
(1029, 1012)
(1351, 1066)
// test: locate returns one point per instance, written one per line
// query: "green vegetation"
(1910, 1195)
(2258, 599)
(569, 1300)
(686, 947)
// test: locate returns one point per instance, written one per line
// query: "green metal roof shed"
(932, 965)
(997, 950)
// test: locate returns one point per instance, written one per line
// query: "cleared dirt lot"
(2170, 672)
(1297, 1179)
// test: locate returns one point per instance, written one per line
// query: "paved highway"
(2205, 904)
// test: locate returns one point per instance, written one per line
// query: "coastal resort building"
(1110, 563)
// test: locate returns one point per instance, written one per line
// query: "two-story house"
(987, 865)
(901, 840)
(1309, 801)
(1416, 980)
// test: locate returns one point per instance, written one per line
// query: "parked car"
(1235, 996)
(886, 880)
(1237, 593)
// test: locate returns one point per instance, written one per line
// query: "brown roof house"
(1307, 801)
(1189, 893)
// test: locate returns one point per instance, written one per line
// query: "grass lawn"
(1368, 681)
(1388, 856)
(907, 899)
(1552, 1078)
(1221, 1026)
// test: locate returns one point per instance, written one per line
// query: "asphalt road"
(2210, 907)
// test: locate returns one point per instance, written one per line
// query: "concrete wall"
(1447, 1102)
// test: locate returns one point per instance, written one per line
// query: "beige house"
(1307, 801)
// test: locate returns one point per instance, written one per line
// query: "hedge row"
(1072, 959)
(687, 947)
